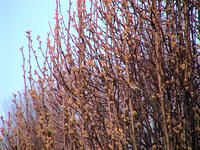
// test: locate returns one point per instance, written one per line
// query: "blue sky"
(16, 17)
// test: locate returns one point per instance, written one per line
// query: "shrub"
(116, 75)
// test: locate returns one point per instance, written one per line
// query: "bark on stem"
(158, 71)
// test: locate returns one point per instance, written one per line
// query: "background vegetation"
(128, 78)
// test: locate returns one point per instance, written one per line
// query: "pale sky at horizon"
(16, 17)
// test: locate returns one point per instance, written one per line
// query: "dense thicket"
(117, 74)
